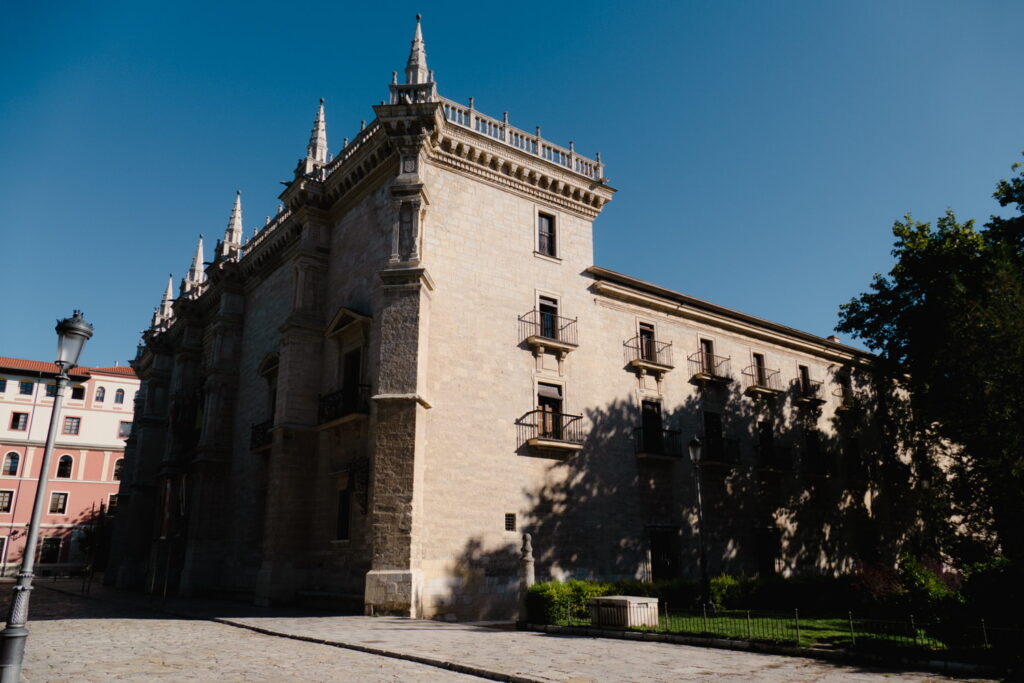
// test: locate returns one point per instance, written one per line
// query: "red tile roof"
(116, 370)
(17, 364)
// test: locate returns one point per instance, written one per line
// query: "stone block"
(629, 611)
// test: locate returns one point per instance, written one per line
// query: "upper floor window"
(101, 394)
(3, 385)
(72, 425)
(25, 388)
(51, 390)
(546, 242)
(58, 504)
(19, 421)
(6, 498)
(78, 393)
(118, 466)
(119, 396)
(548, 307)
(124, 430)
(64, 467)
(11, 461)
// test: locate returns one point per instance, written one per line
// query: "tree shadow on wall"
(784, 491)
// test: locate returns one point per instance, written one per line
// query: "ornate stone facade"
(415, 361)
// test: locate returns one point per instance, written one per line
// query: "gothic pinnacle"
(317, 149)
(196, 274)
(416, 68)
(233, 234)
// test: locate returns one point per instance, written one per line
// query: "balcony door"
(663, 543)
(707, 354)
(650, 422)
(351, 365)
(647, 347)
(548, 308)
(549, 403)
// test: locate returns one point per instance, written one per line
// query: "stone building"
(96, 419)
(415, 361)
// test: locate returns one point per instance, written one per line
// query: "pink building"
(96, 419)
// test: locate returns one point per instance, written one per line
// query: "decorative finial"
(316, 151)
(416, 68)
(418, 17)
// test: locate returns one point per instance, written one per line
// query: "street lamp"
(72, 333)
(696, 448)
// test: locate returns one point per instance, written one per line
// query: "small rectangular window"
(49, 550)
(546, 235)
(72, 425)
(3, 388)
(25, 388)
(51, 390)
(78, 393)
(343, 531)
(510, 521)
(124, 430)
(58, 503)
(19, 421)
(112, 502)
(6, 499)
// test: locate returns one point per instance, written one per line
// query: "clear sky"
(761, 150)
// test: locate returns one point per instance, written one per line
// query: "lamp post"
(72, 333)
(696, 448)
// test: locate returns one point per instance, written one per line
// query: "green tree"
(948, 325)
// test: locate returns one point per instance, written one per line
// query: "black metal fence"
(545, 424)
(346, 401)
(667, 442)
(811, 390)
(547, 325)
(955, 640)
(647, 349)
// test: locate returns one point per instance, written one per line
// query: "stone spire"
(416, 68)
(196, 273)
(233, 234)
(419, 83)
(317, 149)
(165, 311)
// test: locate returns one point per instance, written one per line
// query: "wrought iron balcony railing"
(545, 425)
(640, 350)
(721, 451)
(349, 400)
(774, 457)
(707, 366)
(810, 391)
(665, 442)
(759, 379)
(539, 326)
(260, 435)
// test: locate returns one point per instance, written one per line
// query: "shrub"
(554, 602)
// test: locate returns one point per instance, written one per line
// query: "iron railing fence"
(704, 363)
(721, 451)
(348, 400)
(647, 349)
(547, 325)
(667, 442)
(760, 377)
(545, 424)
(260, 435)
(810, 389)
(952, 640)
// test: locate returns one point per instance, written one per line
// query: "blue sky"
(761, 150)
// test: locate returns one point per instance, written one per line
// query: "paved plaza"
(115, 637)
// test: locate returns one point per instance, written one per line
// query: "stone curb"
(844, 657)
(418, 659)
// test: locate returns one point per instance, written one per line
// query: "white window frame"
(67, 503)
(11, 510)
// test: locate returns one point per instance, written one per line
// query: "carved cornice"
(499, 164)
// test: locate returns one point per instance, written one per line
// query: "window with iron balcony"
(708, 368)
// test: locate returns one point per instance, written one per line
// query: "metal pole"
(705, 580)
(12, 638)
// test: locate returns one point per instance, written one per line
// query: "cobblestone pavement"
(113, 636)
